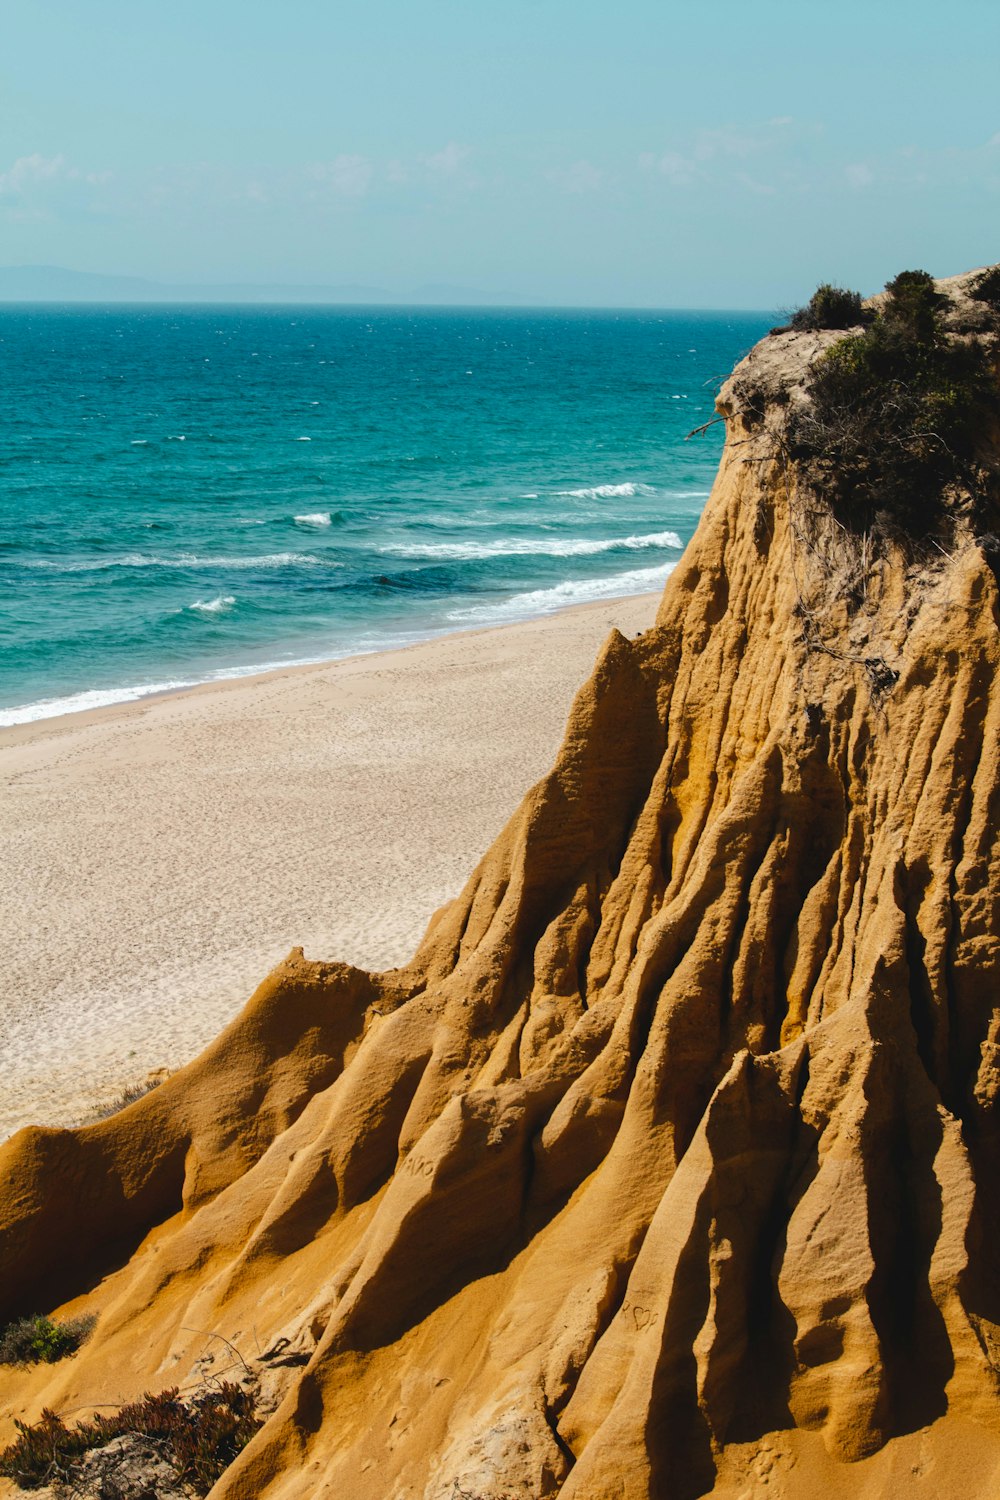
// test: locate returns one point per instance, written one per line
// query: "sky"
(565, 152)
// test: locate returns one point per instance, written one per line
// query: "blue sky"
(647, 154)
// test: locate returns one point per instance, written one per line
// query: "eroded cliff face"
(669, 1165)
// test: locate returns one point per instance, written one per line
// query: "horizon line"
(455, 306)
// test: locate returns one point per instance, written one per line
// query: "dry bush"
(198, 1437)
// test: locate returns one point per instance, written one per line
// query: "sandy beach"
(160, 857)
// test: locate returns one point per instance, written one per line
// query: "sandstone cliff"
(670, 1165)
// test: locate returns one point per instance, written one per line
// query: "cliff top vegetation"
(901, 411)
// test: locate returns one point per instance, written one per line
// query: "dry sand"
(160, 857)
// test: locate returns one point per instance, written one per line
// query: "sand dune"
(159, 857)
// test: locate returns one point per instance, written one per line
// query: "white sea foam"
(533, 547)
(218, 606)
(610, 491)
(187, 560)
(75, 703)
(303, 440)
(78, 703)
(316, 518)
(563, 595)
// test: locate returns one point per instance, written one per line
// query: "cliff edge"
(670, 1164)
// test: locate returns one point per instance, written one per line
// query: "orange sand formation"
(669, 1164)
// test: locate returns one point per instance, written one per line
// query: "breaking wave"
(610, 491)
(532, 547)
(218, 606)
(563, 596)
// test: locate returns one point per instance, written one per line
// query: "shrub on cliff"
(829, 307)
(987, 289)
(895, 415)
(912, 312)
(39, 1340)
(199, 1437)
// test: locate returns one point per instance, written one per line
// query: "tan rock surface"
(669, 1165)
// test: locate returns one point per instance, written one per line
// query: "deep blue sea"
(195, 493)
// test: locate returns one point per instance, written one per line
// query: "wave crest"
(187, 560)
(610, 491)
(564, 595)
(218, 606)
(533, 547)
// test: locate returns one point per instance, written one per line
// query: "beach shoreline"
(161, 855)
(9, 733)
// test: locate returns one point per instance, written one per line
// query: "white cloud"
(347, 175)
(449, 160)
(859, 175)
(28, 170)
(49, 187)
(677, 169)
(712, 143)
(713, 153)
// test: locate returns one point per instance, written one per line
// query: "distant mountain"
(53, 283)
(57, 284)
(439, 292)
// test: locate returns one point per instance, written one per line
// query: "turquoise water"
(195, 493)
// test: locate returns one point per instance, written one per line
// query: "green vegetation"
(830, 307)
(199, 1438)
(987, 289)
(38, 1340)
(897, 414)
(913, 310)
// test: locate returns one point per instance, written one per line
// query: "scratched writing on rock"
(638, 1317)
(416, 1168)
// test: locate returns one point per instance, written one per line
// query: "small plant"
(128, 1095)
(830, 307)
(199, 1437)
(39, 1340)
(41, 1452)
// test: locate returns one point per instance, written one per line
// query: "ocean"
(192, 493)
